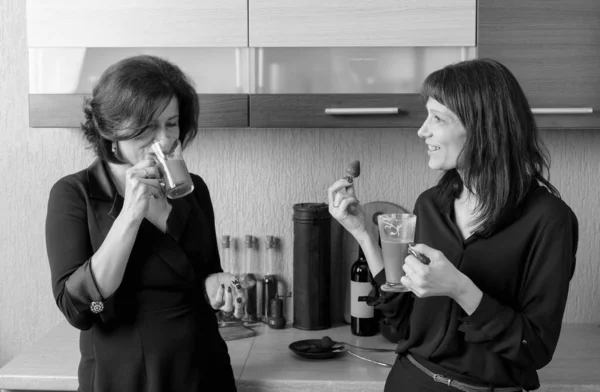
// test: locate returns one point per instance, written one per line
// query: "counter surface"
(264, 362)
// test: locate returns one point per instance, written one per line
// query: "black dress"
(156, 332)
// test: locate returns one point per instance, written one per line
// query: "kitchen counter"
(264, 363)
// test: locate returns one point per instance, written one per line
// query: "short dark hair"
(503, 154)
(129, 95)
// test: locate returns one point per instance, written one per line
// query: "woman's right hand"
(345, 207)
(141, 184)
(227, 292)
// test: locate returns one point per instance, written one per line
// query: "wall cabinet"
(311, 63)
(147, 23)
(71, 42)
(336, 111)
(316, 23)
(553, 48)
(66, 110)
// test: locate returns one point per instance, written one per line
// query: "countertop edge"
(14, 382)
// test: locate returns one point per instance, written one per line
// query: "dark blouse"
(523, 270)
(156, 332)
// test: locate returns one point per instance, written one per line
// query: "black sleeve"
(528, 335)
(69, 253)
(203, 196)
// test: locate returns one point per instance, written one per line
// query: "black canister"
(312, 273)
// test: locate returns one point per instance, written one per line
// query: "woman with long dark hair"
(137, 273)
(485, 312)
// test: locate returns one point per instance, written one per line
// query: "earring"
(114, 147)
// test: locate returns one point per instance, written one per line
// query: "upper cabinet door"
(552, 48)
(318, 23)
(146, 23)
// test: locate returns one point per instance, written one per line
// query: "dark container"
(312, 272)
(276, 320)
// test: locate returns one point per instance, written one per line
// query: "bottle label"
(358, 305)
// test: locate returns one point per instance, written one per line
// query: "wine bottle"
(362, 316)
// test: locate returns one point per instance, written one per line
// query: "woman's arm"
(79, 276)
(202, 195)
(373, 255)
(109, 262)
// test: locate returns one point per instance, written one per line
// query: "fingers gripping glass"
(175, 178)
(396, 231)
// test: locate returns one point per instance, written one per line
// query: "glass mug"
(396, 232)
(175, 178)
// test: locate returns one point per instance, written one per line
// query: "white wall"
(255, 176)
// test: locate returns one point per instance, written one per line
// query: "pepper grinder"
(276, 320)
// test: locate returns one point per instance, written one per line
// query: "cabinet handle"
(562, 110)
(360, 111)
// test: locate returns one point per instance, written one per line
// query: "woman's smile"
(431, 148)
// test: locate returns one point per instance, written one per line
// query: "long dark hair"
(129, 95)
(503, 154)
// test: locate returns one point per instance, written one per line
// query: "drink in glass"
(175, 178)
(396, 232)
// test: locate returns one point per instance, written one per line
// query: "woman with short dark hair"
(136, 89)
(137, 273)
(485, 311)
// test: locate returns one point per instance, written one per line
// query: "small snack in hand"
(353, 171)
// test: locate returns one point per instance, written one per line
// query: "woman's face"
(165, 125)
(444, 135)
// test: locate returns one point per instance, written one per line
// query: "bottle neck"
(270, 260)
(361, 254)
(248, 260)
(226, 262)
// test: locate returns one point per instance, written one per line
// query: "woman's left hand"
(437, 278)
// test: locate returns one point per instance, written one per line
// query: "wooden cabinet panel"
(66, 111)
(553, 48)
(285, 23)
(149, 23)
(309, 110)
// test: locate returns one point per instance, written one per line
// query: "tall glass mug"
(396, 232)
(175, 178)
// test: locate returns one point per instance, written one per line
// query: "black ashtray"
(315, 349)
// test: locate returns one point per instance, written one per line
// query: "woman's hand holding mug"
(141, 184)
(438, 277)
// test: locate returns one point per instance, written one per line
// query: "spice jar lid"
(311, 212)
(225, 241)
